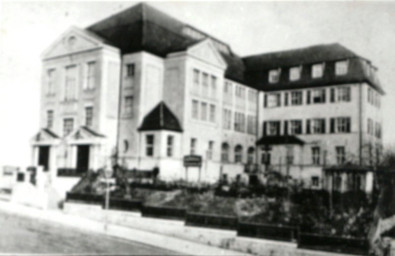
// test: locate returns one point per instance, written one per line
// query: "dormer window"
(274, 76)
(341, 67)
(317, 70)
(294, 73)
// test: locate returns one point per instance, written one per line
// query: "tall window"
(273, 128)
(170, 142)
(319, 96)
(205, 84)
(250, 155)
(193, 146)
(225, 152)
(296, 127)
(239, 122)
(213, 87)
(273, 100)
(378, 130)
(344, 94)
(227, 119)
(343, 124)
(315, 153)
(88, 116)
(297, 98)
(318, 125)
(195, 109)
(238, 154)
(340, 155)
(274, 76)
(129, 105)
(370, 126)
(341, 67)
(49, 119)
(68, 124)
(317, 70)
(294, 73)
(51, 81)
(70, 83)
(210, 150)
(228, 88)
(212, 113)
(149, 144)
(203, 111)
(196, 79)
(130, 70)
(90, 75)
(251, 124)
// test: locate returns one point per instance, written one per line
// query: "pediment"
(71, 41)
(207, 52)
(45, 135)
(84, 133)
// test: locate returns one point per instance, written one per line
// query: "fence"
(125, 204)
(271, 232)
(164, 212)
(85, 198)
(211, 221)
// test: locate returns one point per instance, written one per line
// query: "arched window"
(225, 152)
(238, 154)
(250, 155)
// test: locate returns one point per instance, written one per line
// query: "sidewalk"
(159, 240)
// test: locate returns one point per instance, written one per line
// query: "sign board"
(192, 161)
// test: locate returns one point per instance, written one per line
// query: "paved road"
(23, 235)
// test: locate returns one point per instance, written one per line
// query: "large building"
(148, 89)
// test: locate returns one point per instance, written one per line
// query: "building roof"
(279, 140)
(160, 118)
(144, 28)
(258, 67)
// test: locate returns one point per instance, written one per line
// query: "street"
(24, 235)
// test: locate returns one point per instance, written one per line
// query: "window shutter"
(332, 125)
(349, 125)
(308, 97)
(286, 99)
(285, 127)
(349, 95)
(279, 99)
(323, 126)
(308, 126)
(265, 101)
(332, 94)
(279, 128)
(324, 96)
(264, 128)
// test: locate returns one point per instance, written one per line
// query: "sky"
(28, 28)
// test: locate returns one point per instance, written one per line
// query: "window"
(273, 100)
(274, 76)
(49, 119)
(294, 73)
(273, 128)
(343, 124)
(250, 155)
(228, 88)
(129, 105)
(296, 127)
(227, 119)
(370, 95)
(193, 146)
(239, 122)
(315, 153)
(70, 83)
(337, 183)
(344, 94)
(319, 96)
(88, 116)
(68, 124)
(290, 155)
(213, 87)
(340, 155)
(225, 152)
(130, 70)
(317, 70)
(205, 84)
(265, 158)
(51, 82)
(210, 150)
(370, 126)
(212, 113)
(315, 181)
(318, 126)
(341, 67)
(378, 131)
(149, 145)
(195, 109)
(196, 79)
(203, 111)
(296, 98)
(238, 154)
(170, 142)
(251, 124)
(90, 76)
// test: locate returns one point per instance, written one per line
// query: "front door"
(82, 158)
(43, 157)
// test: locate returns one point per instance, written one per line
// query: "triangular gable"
(206, 51)
(45, 135)
(160, 118)
(83, 133)
(73, 40)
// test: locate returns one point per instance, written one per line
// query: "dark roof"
(143, 28)
(258, 67)
(160, 118)
(51, 133)
(279, 140)
(92, 132)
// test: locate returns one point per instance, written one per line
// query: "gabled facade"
(148, 89)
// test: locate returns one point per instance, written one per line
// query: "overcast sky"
(27, 28)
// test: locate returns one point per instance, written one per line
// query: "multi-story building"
(148, 89)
